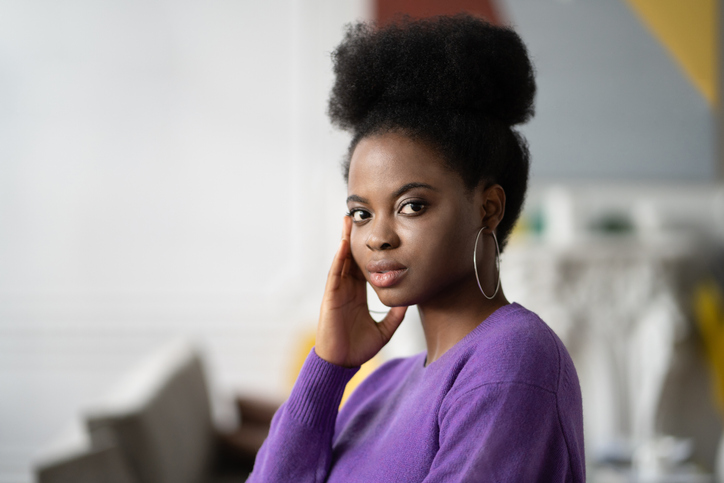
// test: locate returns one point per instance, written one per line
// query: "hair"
(456, 83)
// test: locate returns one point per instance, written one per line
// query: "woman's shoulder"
(513, 346)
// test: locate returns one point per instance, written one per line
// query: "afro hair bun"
(459, 63)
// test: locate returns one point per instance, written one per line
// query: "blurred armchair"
(155, 426)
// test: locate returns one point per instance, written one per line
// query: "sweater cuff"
(318, 391)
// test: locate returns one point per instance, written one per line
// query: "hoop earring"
(497, 263)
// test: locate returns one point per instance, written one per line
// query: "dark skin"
(410, 234)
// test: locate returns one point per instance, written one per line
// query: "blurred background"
(171, 197)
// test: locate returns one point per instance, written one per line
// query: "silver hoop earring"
(497, 263)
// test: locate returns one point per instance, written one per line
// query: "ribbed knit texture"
(503, 404)
(318, 391)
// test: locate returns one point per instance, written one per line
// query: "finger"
(335, 271)
(340, 265)
(349, 263)
(346, 266)
(346, 227)
(392, 321)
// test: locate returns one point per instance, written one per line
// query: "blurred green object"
(613, 224)
(537, 222)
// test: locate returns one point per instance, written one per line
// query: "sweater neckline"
(481, 327)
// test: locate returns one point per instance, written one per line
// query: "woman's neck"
(448, 319)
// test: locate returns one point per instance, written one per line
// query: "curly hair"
(456, 83)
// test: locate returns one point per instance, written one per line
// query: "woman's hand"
(347, 335)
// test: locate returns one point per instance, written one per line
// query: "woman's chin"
(394, 298)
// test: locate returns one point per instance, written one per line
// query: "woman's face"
(414, 222)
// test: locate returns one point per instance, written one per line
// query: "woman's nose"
(382, 236)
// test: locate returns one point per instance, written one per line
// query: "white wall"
(166, 168)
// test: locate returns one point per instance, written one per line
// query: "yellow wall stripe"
(689, 31)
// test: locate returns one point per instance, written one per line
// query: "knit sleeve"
(299, 445)
(502, 432)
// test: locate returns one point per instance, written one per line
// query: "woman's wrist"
(318, 391)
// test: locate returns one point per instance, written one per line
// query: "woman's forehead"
(391, 160)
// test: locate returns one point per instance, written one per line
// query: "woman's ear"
(492, 208)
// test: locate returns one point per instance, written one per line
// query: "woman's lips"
(385, 273)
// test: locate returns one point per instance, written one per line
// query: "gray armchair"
(154, 427)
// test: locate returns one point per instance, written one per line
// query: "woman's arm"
(299, 445)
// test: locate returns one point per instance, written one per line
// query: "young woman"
(436, 178)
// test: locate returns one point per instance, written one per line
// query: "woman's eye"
(359, 215)
(412, 208)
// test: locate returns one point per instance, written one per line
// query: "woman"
(436, 178)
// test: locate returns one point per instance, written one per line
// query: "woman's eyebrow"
(398, 192)
(410, 186)
(356, 198)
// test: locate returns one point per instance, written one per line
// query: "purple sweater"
(502, 405)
